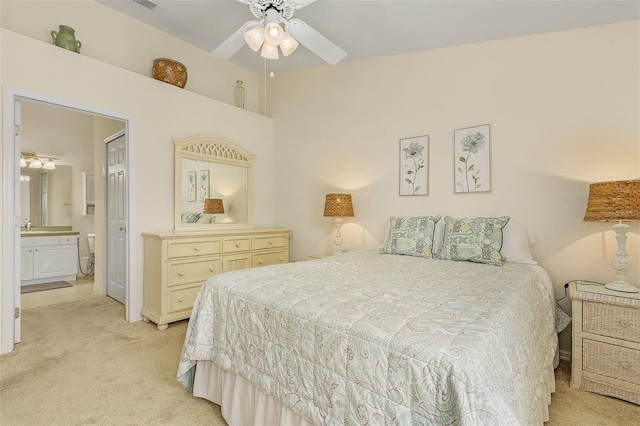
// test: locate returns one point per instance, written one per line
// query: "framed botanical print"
(203, 183)
(472, 159)
(414, 165)
(191, 186)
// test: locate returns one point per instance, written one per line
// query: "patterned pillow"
(411, 236)
(190, 217)
(473, 239)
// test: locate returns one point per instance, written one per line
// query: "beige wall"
(158, 112)
(116, 39)
(564, 110)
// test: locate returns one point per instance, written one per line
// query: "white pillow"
(515, 244)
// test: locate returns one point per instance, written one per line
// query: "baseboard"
(565, 355)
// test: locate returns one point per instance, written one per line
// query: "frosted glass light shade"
(254, 38)
(269, 51)
(288, 45)
(35, 164)
(273, 33)
(49, 165)
(23, 162)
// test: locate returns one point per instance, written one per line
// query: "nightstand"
(318, 256)
(605, 350)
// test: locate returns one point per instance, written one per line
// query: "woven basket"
(170, 71)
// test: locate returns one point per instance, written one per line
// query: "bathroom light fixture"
(49, 165)
(35, 162)
(616, 201)
(338, 206)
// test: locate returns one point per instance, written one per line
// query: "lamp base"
(622, 286)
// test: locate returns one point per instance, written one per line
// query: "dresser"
(605, 354)
(176, 264)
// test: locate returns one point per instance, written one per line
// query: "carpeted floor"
(80, 363)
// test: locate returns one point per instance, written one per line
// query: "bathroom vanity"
(48, 256)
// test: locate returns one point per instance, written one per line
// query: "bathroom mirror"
(213, 179)
(45, 196)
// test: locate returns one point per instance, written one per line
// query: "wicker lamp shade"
(613, 202)
(213, 206)
(338, 205)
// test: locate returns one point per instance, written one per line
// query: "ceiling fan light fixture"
(288, 45)
(254, 38)
(273, 33)
(269, 51)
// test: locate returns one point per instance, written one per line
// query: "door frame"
(11, 195)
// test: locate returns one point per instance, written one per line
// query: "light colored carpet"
(80, 363)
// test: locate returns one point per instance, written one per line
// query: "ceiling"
(369, 29)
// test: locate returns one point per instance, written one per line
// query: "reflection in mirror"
(213, 184)
(46, 196)
(88, 193)
(214, 181)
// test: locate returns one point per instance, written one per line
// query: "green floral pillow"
(190, 217)
(473, 239)
(410, 236)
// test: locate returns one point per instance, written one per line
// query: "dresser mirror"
(213, 180)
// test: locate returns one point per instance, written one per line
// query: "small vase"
(65, 37)
(238, 95)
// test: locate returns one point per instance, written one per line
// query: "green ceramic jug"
(65, 37)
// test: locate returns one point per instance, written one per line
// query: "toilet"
(91, 239)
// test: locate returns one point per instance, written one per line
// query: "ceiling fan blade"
(315, 42)
(234, 43)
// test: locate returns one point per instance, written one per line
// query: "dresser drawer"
(270, 258)
(183, 298)
(194, 247)
(613, 321)
(610, 360)
(270, 241)
(193, 272)
(234, 244)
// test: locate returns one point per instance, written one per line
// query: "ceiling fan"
(267, 33)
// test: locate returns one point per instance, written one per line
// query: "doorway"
(12, 101)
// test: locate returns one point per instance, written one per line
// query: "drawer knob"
(196, 248)
(260, 261)
(624, 324)
(270, 243)
(237, 244)
(181, 274)
(280, 259)
(625, 365)
(181, 299)
(212, 269)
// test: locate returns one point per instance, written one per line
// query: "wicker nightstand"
(605, 354)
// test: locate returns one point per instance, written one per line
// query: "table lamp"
(338, 206)
(213, 206)
(617, 201)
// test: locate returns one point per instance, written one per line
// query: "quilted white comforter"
(382, 339)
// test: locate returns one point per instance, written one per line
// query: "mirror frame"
(210, 149)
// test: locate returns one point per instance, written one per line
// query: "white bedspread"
(382, 339)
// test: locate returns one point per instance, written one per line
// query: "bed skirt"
(243, 404)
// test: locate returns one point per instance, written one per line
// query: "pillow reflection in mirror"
(190, 217)
(206, 218)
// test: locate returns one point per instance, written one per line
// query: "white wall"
(564, 110)
(159, 113)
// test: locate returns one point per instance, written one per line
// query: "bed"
(380, 336)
